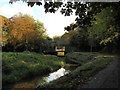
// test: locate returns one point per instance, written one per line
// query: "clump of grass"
(79, 57)
(80, 75)
(19, 66)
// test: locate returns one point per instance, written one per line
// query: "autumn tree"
(4, 28)
(86, 12)
(24, 33)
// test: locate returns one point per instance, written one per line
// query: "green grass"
(81, 57)
(20, 66)
(81, 74)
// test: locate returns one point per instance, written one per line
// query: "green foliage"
(77, 38)
(103, 28)
(57, 41)
(41, 29)
(81, 74)
(19, 66)
(103, 34)
(104, 31)
(85, 11)
(81, 41)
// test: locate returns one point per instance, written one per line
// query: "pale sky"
(53, 22)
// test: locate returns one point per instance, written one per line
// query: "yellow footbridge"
(60, 50)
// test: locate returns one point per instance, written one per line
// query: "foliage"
(104, 34)
(90, 22)
(68, 36)
(41, 29)
(4, 27)
(71, 27)
(80, 75)
(77, 38)
(19, 66)
(21, 32)
(84, 10)
(57, 41)
(104, 31)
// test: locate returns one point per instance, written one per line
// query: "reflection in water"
(41, 80)
(55, 75)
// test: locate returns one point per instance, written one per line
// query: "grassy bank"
(81, 57)
(19, 66)
(81, 74)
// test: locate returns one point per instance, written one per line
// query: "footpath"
(107, 78)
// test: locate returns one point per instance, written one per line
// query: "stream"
(55, 75)
(43, 80)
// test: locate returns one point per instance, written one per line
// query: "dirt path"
(107, 78)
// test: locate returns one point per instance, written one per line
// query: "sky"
(53, 22)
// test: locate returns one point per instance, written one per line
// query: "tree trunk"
(26, 45)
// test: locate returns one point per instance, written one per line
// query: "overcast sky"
(54, 23)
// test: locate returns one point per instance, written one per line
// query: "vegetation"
(101, 36)
(80, 75)
(84, 10)
(26, 65)
(80, 57)
(23, 33)
(93, 30)
(97, 29)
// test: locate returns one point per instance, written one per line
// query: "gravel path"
(107, 78)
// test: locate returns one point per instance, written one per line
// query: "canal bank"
(42, 80)
(80, 75)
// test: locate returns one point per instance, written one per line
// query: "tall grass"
(18, 66)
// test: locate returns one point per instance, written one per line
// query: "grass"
(81, 74)
(19, 66)
(81, 57)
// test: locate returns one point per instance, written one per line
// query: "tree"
(104, 29)
(40, 29)
(71, 27)
(23, 30)
(84, 10)
(23, 33)
(4, 27)
(57, 41)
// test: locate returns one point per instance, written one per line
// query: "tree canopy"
(97, 24)
(84, 10)
(22, 32)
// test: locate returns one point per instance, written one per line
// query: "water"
(41, 80)
(52, 76)
(55, 75)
